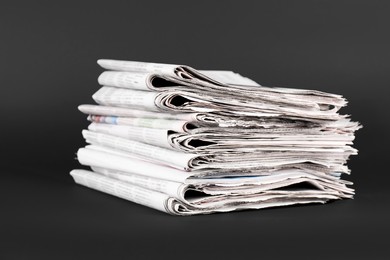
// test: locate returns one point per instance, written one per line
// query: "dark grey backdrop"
(48, 66)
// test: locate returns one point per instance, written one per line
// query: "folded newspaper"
(188, 141)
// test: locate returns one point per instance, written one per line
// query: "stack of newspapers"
(188, 141)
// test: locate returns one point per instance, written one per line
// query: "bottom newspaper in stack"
(184, 193)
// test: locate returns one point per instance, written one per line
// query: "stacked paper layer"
(194, 142)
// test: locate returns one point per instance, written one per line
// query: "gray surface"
(48, 67)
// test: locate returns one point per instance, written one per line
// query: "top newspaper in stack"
(135, 85)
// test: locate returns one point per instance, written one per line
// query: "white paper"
(121, 189)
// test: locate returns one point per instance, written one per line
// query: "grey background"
(48, 67)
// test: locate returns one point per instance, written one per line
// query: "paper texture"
(187, 141)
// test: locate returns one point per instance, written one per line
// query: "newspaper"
(178, 100)
(141, 145)
(157, 76)
(218, 119)
(188, 141)
(212, 138)
(171, 205)
(145, 76)
(203, 194)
